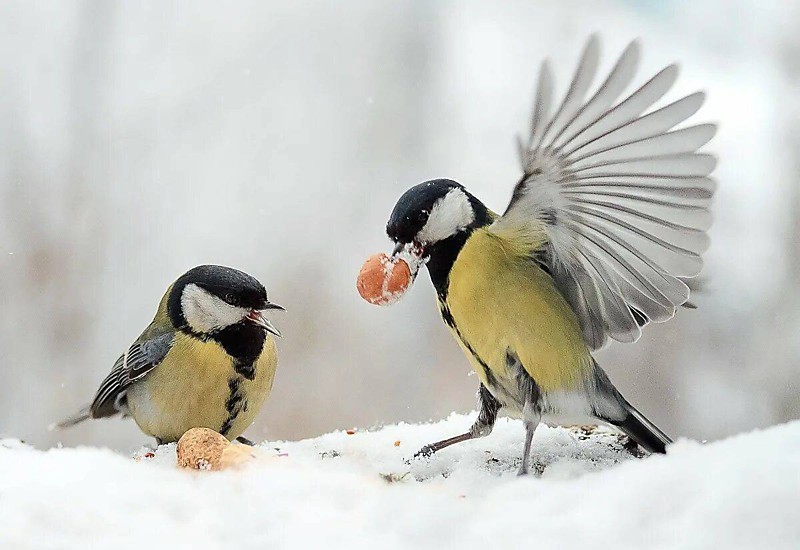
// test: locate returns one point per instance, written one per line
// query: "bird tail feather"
(624, 416)
(642, 431)
(77, 418)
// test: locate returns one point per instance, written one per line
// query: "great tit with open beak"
(610, 213)
(208, 359)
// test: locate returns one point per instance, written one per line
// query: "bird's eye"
(230, 298)
(422, 216)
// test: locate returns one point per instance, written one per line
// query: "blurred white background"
(140, 139)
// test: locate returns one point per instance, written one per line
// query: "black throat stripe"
(243, 342)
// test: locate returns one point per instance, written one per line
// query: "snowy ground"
(355, 490)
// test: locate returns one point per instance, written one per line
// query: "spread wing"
(142, 357)
(614, 200)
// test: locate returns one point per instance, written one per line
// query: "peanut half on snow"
(205, 449)
(383, 280)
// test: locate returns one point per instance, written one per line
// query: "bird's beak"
(256, 316)
(412, 249)
(413, 254)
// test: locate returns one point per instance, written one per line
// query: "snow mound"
(356, 489)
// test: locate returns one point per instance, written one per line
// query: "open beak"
(256, 316)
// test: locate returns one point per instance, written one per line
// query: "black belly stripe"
(235, 404)
(449, 321)
(248, 370)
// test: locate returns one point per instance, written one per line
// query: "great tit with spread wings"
(611, 212)
(207, 360)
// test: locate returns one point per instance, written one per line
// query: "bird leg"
(531, 416)
(431, 448)
(489, 406)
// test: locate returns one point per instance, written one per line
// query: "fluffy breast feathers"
(501, 302)
(193, 387)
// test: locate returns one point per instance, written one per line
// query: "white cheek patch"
(205, 312)
(449, 215)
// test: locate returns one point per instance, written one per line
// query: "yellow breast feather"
(502, 302)
(196, 386)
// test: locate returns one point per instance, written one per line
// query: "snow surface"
(356, 490)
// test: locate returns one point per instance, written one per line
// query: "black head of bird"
(210, 298)
(432, 220)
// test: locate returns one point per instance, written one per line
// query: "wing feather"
(629, 109)
(142, 357)
(621, 195)
(577, 90)
(541, 109)
(684, 141)
(620, 78)
(649, 125)
(701, 188)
